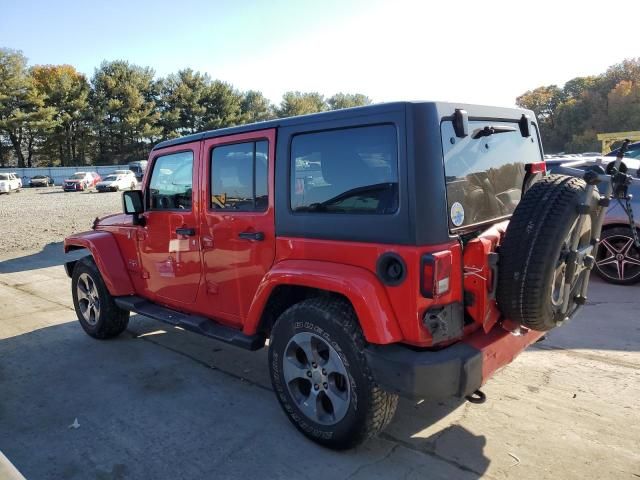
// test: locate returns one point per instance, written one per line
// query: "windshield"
(633, 152)
(110, 178)
(78, 176)
(485, 170)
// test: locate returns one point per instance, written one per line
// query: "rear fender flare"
(360, 286)
(105, 252)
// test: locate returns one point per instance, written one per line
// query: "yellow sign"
(608, 139)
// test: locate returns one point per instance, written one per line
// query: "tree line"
(572, 115)
(54, 115)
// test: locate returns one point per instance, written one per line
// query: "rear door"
(237, 224)
(169, 242)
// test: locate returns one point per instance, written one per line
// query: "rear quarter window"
(351, 170)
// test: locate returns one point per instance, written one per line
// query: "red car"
(80, 181)
(397, 249)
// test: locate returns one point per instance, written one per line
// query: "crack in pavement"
(433, 454)
(182, 353)
(372, 464)
(22, 287)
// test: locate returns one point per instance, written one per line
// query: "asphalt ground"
(163, 403)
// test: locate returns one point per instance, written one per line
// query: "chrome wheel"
(88, 299)
(316, 378)
(618, 258)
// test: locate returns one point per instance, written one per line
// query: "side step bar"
(193, 323)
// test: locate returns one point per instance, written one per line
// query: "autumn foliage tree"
(66, 92)
(571, 117)
(24, 118)
(53, 114)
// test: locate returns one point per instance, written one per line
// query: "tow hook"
(477, 397)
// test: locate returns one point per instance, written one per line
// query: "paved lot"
(162, 403)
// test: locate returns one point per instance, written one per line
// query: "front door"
(169, 242)
(238, 232)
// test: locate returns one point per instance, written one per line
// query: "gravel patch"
(35, 217)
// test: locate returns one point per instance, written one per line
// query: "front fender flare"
(360, 286)
(104, 249)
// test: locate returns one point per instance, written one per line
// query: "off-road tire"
(370, 409)
(112, 320)
(531, 249)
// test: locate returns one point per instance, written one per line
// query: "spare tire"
(533, 255)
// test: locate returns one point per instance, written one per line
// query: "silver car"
(617, 257)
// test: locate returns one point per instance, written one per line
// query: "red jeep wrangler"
(382, 250)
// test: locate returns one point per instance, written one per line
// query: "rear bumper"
(454, 371)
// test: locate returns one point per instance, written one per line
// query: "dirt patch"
(35, 217)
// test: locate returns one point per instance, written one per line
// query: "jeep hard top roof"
(439, 109)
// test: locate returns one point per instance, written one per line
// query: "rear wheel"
(618, 258)
(535, 264)
(321, 377)
(98, 314)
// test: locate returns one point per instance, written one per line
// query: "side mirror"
(133, 204)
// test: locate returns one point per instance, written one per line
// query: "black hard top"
(442, 109)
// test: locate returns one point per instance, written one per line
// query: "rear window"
(353, 170)
(485, 174)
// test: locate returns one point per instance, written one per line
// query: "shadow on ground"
(157, 403)
(609, 321)
(51, 255)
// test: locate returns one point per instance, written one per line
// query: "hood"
(72, 180)
(116, 219)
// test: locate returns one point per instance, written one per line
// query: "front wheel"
(98, 314)
(320, 374)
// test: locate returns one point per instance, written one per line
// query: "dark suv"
(382, 250)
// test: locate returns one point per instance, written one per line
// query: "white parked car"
(9, 182)
(119, 180)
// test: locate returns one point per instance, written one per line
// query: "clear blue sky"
(482, 52)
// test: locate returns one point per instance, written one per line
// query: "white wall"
(60, 173)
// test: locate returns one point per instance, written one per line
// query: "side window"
(170, 187)
(352, 170)
(239, 179)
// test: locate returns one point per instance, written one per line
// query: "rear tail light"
(537, 167)
(436, 274)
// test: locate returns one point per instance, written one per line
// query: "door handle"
(189, 232)
(255, 236)
(207, 242)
